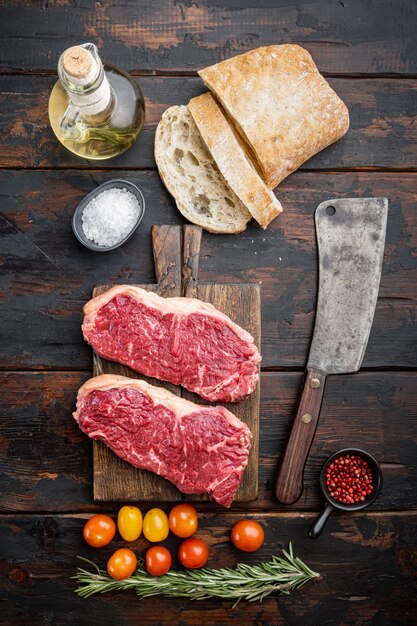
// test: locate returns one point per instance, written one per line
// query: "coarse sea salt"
(110, 216)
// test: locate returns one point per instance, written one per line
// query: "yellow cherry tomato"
(129, 523)
(155, 525)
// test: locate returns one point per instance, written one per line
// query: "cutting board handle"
(289, 485)
(191, 242)
(166, 245)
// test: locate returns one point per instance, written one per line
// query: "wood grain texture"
(47, 276)
(176, 253)
(242, 304)
(382, 131)
(167, 254)
(191, 245)
(115, 479)
(45, 459)
(290, 479)
(368, 560)
(343, 37)
(367, 565)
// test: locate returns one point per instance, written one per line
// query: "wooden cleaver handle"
(289, 485)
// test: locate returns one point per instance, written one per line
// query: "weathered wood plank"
(382, 133)
(46, 461)
(47, 276)
(342, 37)
(367, 566)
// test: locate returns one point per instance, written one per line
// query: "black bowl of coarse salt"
(108, 216)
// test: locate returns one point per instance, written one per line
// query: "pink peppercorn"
(349, 479)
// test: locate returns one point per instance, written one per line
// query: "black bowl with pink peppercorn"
(351, 479)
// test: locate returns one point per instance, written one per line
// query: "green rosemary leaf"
(245, 582)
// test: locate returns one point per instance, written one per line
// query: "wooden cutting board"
(176, 252)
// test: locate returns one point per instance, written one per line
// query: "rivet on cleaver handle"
(351, 239)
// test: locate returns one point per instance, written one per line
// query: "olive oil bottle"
(97, 111)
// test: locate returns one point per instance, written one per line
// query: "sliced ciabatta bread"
(192, 177)
(229, 154)
(281, 104)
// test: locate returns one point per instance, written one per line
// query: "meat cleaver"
(351, 238)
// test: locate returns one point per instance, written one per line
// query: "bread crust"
(165, 147)
(281, 105)
(229, 154)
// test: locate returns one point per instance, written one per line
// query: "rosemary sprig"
(248, 582)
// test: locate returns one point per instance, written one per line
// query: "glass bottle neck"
(90, 93)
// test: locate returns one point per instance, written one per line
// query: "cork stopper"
(77, 62)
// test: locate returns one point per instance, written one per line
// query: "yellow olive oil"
(96, 112)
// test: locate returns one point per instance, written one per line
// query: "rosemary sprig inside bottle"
(244, 582)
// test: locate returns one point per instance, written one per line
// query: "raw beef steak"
(201, 449)
(181, 340)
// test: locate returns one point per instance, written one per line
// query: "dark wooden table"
(368, 561)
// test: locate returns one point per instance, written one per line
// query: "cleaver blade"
(351, 239)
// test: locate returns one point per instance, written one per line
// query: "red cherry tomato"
(247, 535)
(122, 564)
(183, 520)
(99, 530)
(193, 553)
(158, 560)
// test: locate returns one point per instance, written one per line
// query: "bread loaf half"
(281, 105)
(229, 155)
(192, 177)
